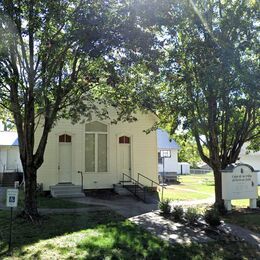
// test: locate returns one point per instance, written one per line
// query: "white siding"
(170, 164)
(144, 153)
(10, 159)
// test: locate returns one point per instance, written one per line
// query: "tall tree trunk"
(218, 187)
(30, 200)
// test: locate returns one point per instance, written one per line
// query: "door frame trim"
(57, 134)
(119, 174)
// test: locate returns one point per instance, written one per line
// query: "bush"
(212, 217)
(177, 213)
(258, 202)
(192, 215)
(164, 207)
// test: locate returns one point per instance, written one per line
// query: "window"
(124, 140)
(65, 138)
(95, 147)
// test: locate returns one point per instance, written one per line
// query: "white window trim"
(96, 150)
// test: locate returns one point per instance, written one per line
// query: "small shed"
(239, 181)
(183, 168)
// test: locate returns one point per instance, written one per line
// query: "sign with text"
(12, 198)
(239, 183)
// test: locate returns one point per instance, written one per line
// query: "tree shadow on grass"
(53, 225)
(101, 235)
(125, 240)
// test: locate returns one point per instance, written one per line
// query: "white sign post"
(239, 182)
(11, 202)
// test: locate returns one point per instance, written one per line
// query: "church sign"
(239, 181)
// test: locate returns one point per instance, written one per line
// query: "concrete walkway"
(191, 203)
(244, 234)
(169, 230)
(126, 206)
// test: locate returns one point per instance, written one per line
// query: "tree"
(212, 78)
(188, 149)
(56, 60)
(208, 77)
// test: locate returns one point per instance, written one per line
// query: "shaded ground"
(168, 230)
(104, 235)
(126, 206)
(42, 201)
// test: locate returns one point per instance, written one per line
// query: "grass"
(104, 235)
(49, 202)
(195, 187)
(192, 187)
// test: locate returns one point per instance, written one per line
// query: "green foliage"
(188, 149)
(165, 207)
(192, 215)
(208, 80)
(177, 213)
(66, 59)
(212, 217)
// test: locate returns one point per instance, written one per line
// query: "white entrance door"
(125, 159)
(124, 155)
(65, 160)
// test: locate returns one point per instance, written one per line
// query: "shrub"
(164, 207)
(177, 213)
(212, 217)
(192, 215)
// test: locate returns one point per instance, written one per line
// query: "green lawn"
(49, 202)
(191, 187)
(195, 187)
(103, 235)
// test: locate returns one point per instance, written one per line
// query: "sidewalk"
(244, 234)
(169, 230)
(180, 233)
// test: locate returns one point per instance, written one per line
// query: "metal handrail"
(152, 182)
(81, 174)
(135, 183)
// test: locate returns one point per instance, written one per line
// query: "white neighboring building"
(164, 143)
(9, 152)
(251, 158)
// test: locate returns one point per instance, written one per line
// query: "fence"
(200, 171)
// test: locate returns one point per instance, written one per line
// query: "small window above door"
(124, 140)
(65, 138)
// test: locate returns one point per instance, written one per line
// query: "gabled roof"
(164, 141)
(232, 166)
(9, 138)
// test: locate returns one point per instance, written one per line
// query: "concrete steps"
(119, 189)
(66, 190)
(142, 193)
